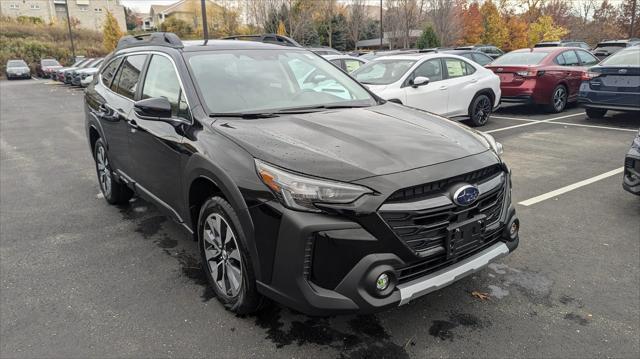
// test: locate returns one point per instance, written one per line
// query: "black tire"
(558, 100)
(596, 113)
(231, 254)
(480, 110)
(114, 191)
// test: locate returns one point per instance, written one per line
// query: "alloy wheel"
(222, 255)
(483, 110)
(104, 171)
(559, 98)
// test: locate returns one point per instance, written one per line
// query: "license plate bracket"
(464, 235)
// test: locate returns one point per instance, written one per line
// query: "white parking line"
(594, 126)
(536, 122)
(570, 187)
(514, 118)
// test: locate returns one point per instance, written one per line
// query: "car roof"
(419, 56)
(340, 57)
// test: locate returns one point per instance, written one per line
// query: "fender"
(200, 167)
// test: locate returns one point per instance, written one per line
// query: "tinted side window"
(162, 81)
(128, 76)
(109, 72)
(352, 65)
(482, 59)
(586, 58)
(431, 69)
(570, 58)
(457, 68)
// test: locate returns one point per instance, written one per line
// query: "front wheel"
(225, 259)
(596, 113)
(480, 110)
(113, 191)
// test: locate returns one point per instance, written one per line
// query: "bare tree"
(442, 14)
(355, 20)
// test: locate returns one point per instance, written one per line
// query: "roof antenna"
(205, 28)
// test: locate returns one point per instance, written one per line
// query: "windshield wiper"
(247, 115)
(315, 108)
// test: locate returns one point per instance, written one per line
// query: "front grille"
(425, 190)
(425, 230)
(430, 265)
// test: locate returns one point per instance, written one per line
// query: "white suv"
(444, 84)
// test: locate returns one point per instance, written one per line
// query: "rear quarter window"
(109, 72)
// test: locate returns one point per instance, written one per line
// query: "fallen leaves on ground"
(480, 295)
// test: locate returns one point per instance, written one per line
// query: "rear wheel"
(480, 110)
(558, 99)
(596, 113)
(225, 259)
(113, 191)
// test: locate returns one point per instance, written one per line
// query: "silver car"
(17, 69)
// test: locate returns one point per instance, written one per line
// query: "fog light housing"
(513, 228)
(382, 282)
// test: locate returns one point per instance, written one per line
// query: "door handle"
(442, 88)
(473, 81)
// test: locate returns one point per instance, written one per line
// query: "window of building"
(83, 8)
(98, 9)
(14, 6)
(35, 7)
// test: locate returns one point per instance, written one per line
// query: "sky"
(143, 5)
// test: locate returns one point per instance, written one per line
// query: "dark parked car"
(564, 43)
(328, 202)
(548, 76)
(17, 69)
(607, 48)
(613, 84)
(46, 67)
(324, 51)
(492, 51)
(631, 180)
(476, 56)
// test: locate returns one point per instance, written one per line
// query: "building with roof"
(90, 14)
(390, 40)
(186, 10)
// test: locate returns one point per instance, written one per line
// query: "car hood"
(377, 89)
(351, 144)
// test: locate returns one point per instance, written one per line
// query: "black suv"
(299, 184)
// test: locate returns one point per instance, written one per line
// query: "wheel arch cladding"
(93, 137)
(485, 91)
(205, 179)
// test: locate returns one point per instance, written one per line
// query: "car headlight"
(636, 142)
(495, 145)
(301, 192)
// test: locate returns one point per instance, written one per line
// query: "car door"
(155, 145)
(573, 72)
(462, 81)
(431, 97)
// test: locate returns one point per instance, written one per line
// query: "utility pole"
(381, 33)
(205, 28)
(633, 18)
(73, 48)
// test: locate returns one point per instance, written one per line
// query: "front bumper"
(322, 264)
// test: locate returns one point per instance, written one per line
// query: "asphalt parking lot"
(80, 278)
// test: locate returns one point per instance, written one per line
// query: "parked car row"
(80, 73)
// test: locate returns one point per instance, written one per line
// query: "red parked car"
(548, 76)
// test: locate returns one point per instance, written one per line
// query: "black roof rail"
(154, 38)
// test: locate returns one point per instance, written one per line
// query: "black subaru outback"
(298, 183)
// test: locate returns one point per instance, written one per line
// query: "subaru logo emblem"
(499, 69)
(466, 195)
(622, 71)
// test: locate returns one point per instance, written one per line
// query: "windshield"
(16, 63)
(382, 72)
(623, 58)
(246, 81)
(520, 58)
(610, 47)
(50, 63)
(546, 44)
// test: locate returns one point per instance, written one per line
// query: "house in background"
(186, 10)
(90, 13)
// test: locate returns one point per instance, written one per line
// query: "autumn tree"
(111, 32)
(472, 24)
(495, 30)
(518, 33)
(545, 30)
(624, 18)
(428, 38)
(356, 20)
(282, 30)
(177, 26)
(604, 25)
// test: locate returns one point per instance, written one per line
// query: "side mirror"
(155, 109)
(419, 81)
